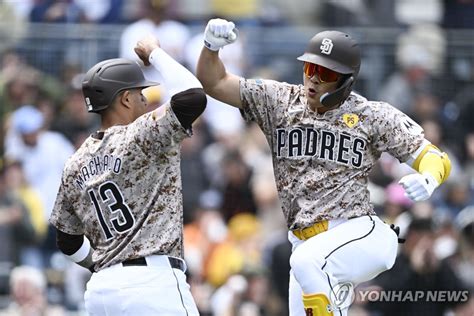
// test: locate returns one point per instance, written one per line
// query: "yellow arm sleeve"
(434, 162)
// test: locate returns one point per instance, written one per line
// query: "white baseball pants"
(354, 250)
(154, 289)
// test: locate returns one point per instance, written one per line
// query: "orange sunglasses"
(324, 74)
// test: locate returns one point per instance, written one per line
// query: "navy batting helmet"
(105, 80)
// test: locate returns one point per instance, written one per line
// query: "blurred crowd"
(236, 244)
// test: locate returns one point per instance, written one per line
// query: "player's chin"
(314, 103)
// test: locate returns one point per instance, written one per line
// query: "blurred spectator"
(242, 12)
(13, 26)
(469, 157)
(28, 292)
(102, 11)
(237, 194)
(255, 151)
(154, 19)
(71, 280)
(33, 147)
(34, 216)
(200, 237)
(413, 12)
(279, 272)
(268, 205)
(461, 104)
(404, 85)
(227, 297)
(243, 294)
(426, 106)
(57, 11)
(74, 122)
(417, 268)
(418, 56)
(20, 83)
(193, 175)
(15, 229)
(29, 144)
(446, 240)
(22, 8)
(53, 53)
(280, 12)
(396, 203)
(385, 171)
(457, 195)
(419, 210)
(357, 13)
(238, 253)
(435, 134)
(255, 300)
(465, 265)
(223, 143)
(192, 12)
(458, 14)
(465, 309)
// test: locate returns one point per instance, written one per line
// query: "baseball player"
(118, 211)
(325, 139)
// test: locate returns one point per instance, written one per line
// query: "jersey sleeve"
(63, 215)
(259, 102)
(159, 129)
(395, 132)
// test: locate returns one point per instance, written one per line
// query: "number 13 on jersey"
(120, 218)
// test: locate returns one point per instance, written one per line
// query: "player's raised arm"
(217, 82)
(188, 99)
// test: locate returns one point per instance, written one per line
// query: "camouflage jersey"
(123, 192)
(322, 161)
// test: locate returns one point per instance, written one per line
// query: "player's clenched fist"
(418, 187)
(145, 46)
(218, 33)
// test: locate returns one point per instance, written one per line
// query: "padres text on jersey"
(321, 161)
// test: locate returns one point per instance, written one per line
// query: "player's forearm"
(217, 82)
(87, 262)
(210, 70)
(76, 247)
(175, 76)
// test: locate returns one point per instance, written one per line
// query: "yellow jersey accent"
(433, 161)
(350, 119)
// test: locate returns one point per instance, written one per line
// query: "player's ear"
(125, 98)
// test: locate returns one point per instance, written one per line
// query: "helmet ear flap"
(331, 99)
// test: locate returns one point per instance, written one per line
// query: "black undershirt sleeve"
(188, 105)
(68, 244)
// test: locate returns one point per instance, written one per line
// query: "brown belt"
(313, 230)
